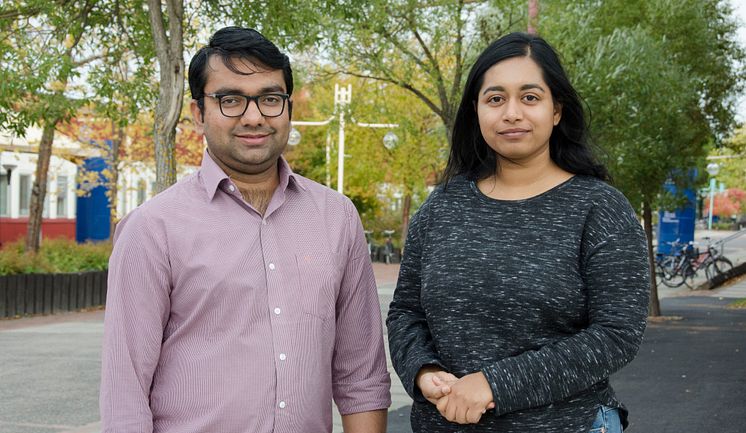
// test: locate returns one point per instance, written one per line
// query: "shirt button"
(272, 266)
(264, 222)
(282, 405)
(232, 188)
(277, 310)
(283, 357)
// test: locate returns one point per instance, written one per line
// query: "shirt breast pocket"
(319, 280)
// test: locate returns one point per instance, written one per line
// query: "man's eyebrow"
(523, 87)
(233, 91)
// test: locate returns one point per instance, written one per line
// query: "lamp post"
(9, 167)
(342, 98)
(713, 169)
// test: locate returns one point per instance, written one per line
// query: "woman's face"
(516, 111)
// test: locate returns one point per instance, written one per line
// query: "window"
(61, 196)
(24, 190)
(4, 193)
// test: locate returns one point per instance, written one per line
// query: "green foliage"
(658, 77)
(54, 256)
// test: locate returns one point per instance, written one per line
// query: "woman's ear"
(557, 113)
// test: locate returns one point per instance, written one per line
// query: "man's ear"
(198, 115)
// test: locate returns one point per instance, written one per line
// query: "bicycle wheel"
(666, 272)
(718, 266)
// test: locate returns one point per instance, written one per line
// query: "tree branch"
(158, 31)
(404, 85)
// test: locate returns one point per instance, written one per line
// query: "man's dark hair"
(232, 43)
(569, 146)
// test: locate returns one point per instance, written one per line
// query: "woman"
(525, 280)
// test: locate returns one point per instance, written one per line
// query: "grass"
(738, 304)
(55, 256)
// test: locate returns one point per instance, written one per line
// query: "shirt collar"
(213, 175)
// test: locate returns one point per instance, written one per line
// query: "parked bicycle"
(686, 260)
(388, 247)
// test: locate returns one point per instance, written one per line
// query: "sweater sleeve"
(616, 275)
(410, 341)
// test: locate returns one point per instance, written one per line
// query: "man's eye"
(271, 99)
(230, 100)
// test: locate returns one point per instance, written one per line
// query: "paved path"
(688, 378)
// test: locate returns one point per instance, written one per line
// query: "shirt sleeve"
(616, 274)
(410, 342)
(361, 381)
(137, 309)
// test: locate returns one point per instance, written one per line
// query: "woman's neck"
(517, 181)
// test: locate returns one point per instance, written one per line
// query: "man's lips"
(253, 138)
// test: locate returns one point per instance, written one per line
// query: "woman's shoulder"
(608, 206)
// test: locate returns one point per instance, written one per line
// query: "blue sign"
(93, 214)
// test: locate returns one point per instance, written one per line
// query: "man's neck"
(256, 188)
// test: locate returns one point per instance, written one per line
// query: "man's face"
(252, 143)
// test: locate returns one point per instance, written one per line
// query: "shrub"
(55, 256)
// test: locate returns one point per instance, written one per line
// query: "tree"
(169, 48)
(423, 49)
(36, 85)
(657, 77)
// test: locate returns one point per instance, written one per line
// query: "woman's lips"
(513, 132)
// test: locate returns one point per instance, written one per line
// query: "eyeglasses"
(269, 104)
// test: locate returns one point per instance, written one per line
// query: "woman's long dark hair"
(569, 146)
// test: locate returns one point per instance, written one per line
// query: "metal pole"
(342, 97)
(328, 159)
(341, 152)
(712, 202)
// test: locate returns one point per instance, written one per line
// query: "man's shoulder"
(322, 194)
(168, 202)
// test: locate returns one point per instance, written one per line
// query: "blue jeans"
(607, 421)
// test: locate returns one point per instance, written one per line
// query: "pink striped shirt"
(221, 321)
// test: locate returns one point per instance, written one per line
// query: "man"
(242, 299)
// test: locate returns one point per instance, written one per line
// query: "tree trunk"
(406, 207)
(39, 190)
(170, 54)
(654, 307)
(116, 144)
(533, 16)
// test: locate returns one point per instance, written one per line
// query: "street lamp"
(342, 98)
(713, 169)
(9, 167)
(294, 137)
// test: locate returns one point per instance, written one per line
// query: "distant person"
(242, 299)
(524, 283)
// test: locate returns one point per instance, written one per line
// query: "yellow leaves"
(69, 41)
(57, 86)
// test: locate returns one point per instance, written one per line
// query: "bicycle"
(369, 241)
(388, 247)
(686, 261)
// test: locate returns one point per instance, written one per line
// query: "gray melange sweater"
(546, 296)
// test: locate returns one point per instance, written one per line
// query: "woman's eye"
(531, 98)
(494, 99)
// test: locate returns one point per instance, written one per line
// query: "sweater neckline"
(483, 197)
